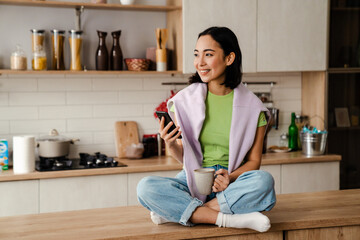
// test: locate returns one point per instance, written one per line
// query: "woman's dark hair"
(229, 43)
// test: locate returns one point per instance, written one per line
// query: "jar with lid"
(39, 59)
(57, 42)
(37, 38)
(75, 40)
(18, 59)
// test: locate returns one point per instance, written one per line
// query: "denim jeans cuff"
(184, 220)
(224, 206)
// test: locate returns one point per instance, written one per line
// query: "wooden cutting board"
(126, 133)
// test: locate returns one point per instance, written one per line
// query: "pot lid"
(54, 136)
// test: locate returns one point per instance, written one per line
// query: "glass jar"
(18, 59)
(39, 59)
(37, 38)
(283, 140)
(57, 42)
(75, 40)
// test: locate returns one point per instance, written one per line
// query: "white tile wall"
(86, 107)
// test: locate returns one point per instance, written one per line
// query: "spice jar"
(75, 41)
(18, 59)
(37, 38)
(39, 59)
(57, 42)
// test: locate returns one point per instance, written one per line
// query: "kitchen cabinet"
(292, 35)
(274, 36)
(343, 89)
(19, 197)
(238, 15)
(76, 193)
(134, 178)
(309, 177)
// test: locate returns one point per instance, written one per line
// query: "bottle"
(293, 134)
(75, 40)
(102, 56)
(116, 57)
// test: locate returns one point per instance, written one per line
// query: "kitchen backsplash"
(87, 106)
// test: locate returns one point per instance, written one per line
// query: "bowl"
(137, 64)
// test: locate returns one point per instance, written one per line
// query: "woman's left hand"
(221, 181)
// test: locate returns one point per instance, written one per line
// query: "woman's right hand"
(169, 138)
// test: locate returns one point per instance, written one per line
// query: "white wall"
(87, 107)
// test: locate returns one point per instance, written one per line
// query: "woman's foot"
(255, 220)
(157, 219)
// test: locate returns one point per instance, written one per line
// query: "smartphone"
(167, 117)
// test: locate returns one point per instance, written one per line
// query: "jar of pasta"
(57, 42)
(39, 59)
(37, 37)
(75, 40)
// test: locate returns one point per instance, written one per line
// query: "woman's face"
(209, 61)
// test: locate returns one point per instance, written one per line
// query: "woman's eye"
(208, 54)
(195, 54)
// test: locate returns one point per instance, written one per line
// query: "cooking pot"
(54, 145)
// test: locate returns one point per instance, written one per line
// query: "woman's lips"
(203, 72)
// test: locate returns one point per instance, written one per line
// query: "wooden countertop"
(162, 163)
(292, 211)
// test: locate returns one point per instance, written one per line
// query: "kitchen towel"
(24, 154)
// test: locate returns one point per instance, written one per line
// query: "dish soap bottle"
(293, 134)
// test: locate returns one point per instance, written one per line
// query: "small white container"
(127, 2)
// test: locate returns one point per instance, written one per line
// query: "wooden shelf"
(104, 6)
(344, 70)
(87, 72)
(344, 128)
(345, 9)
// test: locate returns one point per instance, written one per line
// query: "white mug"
(204, 180)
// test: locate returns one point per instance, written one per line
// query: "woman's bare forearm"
(176, 150)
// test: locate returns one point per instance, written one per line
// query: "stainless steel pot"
(54, 145)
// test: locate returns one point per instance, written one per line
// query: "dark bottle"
(293, 134)
(102, 55)
(116, 56)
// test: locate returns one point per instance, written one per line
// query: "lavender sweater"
(189, 106)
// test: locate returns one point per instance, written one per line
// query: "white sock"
(157, 219)
(255, 220)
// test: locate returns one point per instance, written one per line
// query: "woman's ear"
(230, 58)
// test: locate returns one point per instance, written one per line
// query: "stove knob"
(89, 164)
(107, 163)
(99, 162)
(114, 163)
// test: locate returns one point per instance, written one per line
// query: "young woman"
(222, 126)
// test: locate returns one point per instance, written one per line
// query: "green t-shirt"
(215, 133)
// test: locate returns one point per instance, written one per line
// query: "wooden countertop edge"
(319, 210)
(162, 163)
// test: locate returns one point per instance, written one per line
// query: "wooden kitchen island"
(321, 216)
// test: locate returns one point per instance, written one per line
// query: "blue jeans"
(170, 198)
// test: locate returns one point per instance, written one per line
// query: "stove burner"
(86, 161)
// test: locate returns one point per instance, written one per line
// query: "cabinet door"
(275, 171)
(292, 35)
(309, 177)
(19, 198)
(238, 15)
(76, 193)
(134, 178)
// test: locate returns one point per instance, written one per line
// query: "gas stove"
(86, 161)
